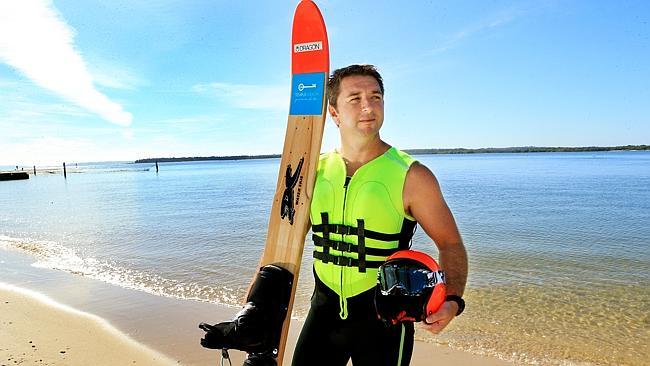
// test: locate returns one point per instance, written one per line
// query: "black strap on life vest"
(370, 234)
(361, 242)
(345, 261)
(326, 232)
(403, 237)
(342, 246)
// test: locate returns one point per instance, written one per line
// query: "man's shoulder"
(419, 175)
(326, 155)
(400, 157)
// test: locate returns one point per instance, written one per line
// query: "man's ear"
(334, 114)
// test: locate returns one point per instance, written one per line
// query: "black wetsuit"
(326, 339)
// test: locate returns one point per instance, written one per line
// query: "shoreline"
(122, 326)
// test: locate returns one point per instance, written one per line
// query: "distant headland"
(527, 149)
(484, 150)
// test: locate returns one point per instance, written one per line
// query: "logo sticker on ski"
(307, 93)
(308, 47)
(287, 209)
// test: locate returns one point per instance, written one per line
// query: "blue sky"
(121, 80)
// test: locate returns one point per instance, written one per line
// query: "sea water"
(558, 242)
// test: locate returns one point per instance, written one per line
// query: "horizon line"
(414, 151)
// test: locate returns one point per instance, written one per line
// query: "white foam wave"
(52, 255)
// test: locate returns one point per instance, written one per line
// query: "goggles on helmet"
(407, 278)
(410, 286)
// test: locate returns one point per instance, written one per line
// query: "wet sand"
(151, 330)
(37, 331)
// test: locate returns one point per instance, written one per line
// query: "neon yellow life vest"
(358, 221)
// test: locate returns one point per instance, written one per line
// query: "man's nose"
(365, 105)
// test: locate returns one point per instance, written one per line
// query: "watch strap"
(458, 300)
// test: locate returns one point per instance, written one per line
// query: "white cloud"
(245, 96)
(36, 40)
(503, 18)
(22, 111)
(189, 120)
(114, 76)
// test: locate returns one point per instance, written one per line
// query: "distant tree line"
(526, 149)
(203, 158)
(484, 150)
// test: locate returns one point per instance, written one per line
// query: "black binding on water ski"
(257, 327)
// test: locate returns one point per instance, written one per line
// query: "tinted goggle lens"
(407, 279)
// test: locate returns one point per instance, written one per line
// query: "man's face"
(359, 106)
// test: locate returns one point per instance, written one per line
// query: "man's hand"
(437, 321)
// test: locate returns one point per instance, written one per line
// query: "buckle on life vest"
(343, 229)
(342, 261)
(342, 246)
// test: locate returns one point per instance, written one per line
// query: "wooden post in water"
(65, 176)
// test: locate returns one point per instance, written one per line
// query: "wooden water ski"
(289, 220)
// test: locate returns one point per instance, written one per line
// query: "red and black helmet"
(410, 287)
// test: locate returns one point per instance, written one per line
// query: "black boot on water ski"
(257, 326)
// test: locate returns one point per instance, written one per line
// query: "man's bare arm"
(424, 201)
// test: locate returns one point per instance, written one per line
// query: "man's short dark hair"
(334, 83)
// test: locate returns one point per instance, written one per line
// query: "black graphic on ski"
(290, 181)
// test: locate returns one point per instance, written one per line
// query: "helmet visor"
(407, 278)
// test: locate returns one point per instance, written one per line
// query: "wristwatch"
(458, 300)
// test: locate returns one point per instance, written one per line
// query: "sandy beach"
(35, 329)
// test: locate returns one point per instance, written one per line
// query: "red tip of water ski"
(310, 49)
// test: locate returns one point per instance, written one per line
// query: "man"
(367, 198)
